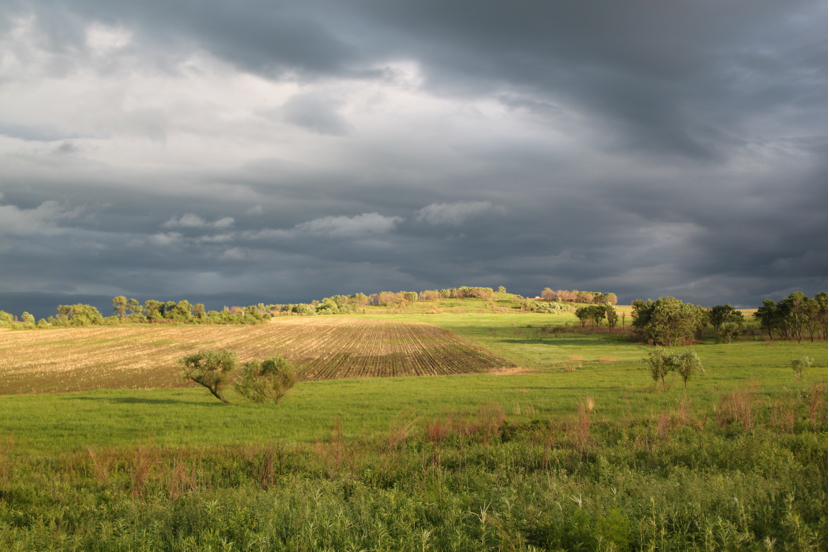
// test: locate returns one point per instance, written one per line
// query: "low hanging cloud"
(452, 214)
(189, 220)
(359, 226)
(366, 224)
(14, 220)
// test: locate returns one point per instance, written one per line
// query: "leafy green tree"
(266, 381)
(612, 317)
(794, 315)
(597, 313)
(199, 312)
(820, 312)
(119, 306)
(768, 316)
(210, 368)
(667, 321)
(28, 318)
(502, 289)
(727, 322)
(80, 314)
(583, 314)
(657, 363)
(135, 309)
(154, 309)
(720, 314)
(5, 318)
(728, 331)
(686, 364)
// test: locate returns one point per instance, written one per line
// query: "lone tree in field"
(658, 363)
(686, 364)
(266, 381)
(210, 368)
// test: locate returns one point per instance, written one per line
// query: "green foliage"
(5, 318)
(686, 364)
(612, 316)
(119, 306)
(794, 317)
(80, 314)
(728, 331)
(657, 362)
(645, 484)
(800, 364)
(210, 368)
(28, 318)
(668, 321)
(727, 322)
(266, 381)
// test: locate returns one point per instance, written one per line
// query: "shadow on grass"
(561, 341)
(140, 400)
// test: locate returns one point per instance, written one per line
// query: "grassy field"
(572, 447)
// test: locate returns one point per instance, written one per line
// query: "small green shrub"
(266, 381)
(800, 364)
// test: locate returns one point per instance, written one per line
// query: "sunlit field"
(557, 440)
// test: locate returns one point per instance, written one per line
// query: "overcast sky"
(286, 151)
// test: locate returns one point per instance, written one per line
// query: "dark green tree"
(768, 316)
(597, 313)
(583, 314)
(667, 321)
(210, 368)
(794, 315)
(612, 317)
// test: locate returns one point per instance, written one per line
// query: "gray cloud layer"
(302, 149)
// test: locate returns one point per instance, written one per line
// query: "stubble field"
(145, 357)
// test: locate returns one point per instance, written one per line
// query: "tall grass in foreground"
(749, 474)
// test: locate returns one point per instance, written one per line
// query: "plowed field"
(141, 357)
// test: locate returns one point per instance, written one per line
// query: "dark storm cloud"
(298, 150)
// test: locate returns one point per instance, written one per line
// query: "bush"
(800, 364)
(267, 381)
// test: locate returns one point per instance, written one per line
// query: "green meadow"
(576, 448)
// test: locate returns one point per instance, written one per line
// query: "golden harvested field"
(145, 357)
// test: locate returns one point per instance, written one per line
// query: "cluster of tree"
(151, 311)
(727, 322)
(530, 305)
(183, 311)
(598, 314)
(463, 292)
(337, 304)
(661, 362)
(344, 304)
(260, 382)
(794, 317)
(588, 297)
(668, 321)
